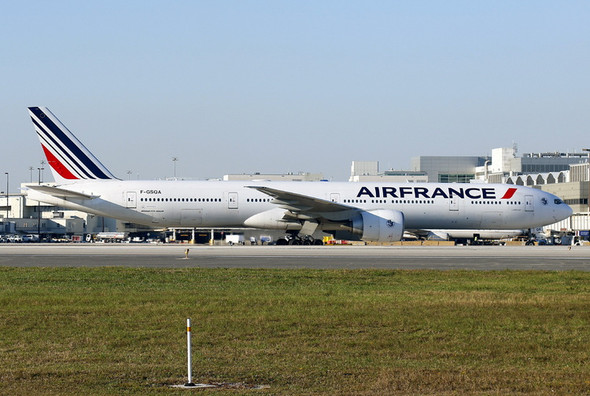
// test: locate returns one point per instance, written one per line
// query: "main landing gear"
(299, 240)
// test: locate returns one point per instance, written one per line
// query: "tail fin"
(68, 157)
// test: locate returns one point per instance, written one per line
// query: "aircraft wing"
(321, 214)
(302, 203)
(60, 192)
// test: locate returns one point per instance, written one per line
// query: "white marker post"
(188, 349)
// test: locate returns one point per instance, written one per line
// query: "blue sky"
(288, 86)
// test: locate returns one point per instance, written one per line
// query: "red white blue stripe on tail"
(68, 157)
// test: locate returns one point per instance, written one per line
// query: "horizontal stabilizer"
(60, 192)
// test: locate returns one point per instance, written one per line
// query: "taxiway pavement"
(553, 258)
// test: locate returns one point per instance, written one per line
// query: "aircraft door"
(131, 199)
(232, 200)
(335, 197)
(528, 203)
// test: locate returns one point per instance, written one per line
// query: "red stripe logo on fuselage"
(509, 193)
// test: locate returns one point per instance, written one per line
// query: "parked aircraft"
(366, 211)
(472, 235)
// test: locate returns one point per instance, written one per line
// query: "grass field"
(122, 331)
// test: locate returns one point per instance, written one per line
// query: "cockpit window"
(557, 201)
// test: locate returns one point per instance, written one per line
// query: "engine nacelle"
(379, 225)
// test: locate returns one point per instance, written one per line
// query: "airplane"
(379, 212)
(473, 236)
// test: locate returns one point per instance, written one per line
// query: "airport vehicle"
(235, 239)
(366, 211)
(14, 238)
(31, 238)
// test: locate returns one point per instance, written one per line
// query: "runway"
(552, 258)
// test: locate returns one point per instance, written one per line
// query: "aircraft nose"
(562, 212)
(568, 211)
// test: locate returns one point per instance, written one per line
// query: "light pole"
(39, 207)
(174, 160)
(7, 201)
(588, 175)
(42, 169)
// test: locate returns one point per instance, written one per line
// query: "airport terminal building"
(566, 175)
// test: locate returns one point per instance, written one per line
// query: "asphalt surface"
(552, 258)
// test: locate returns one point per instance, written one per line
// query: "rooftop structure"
(368, 171)
(301, 176)
(448, 169)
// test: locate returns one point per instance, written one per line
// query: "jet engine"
(379, 225)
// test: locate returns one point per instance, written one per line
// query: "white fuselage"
(231, 204)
